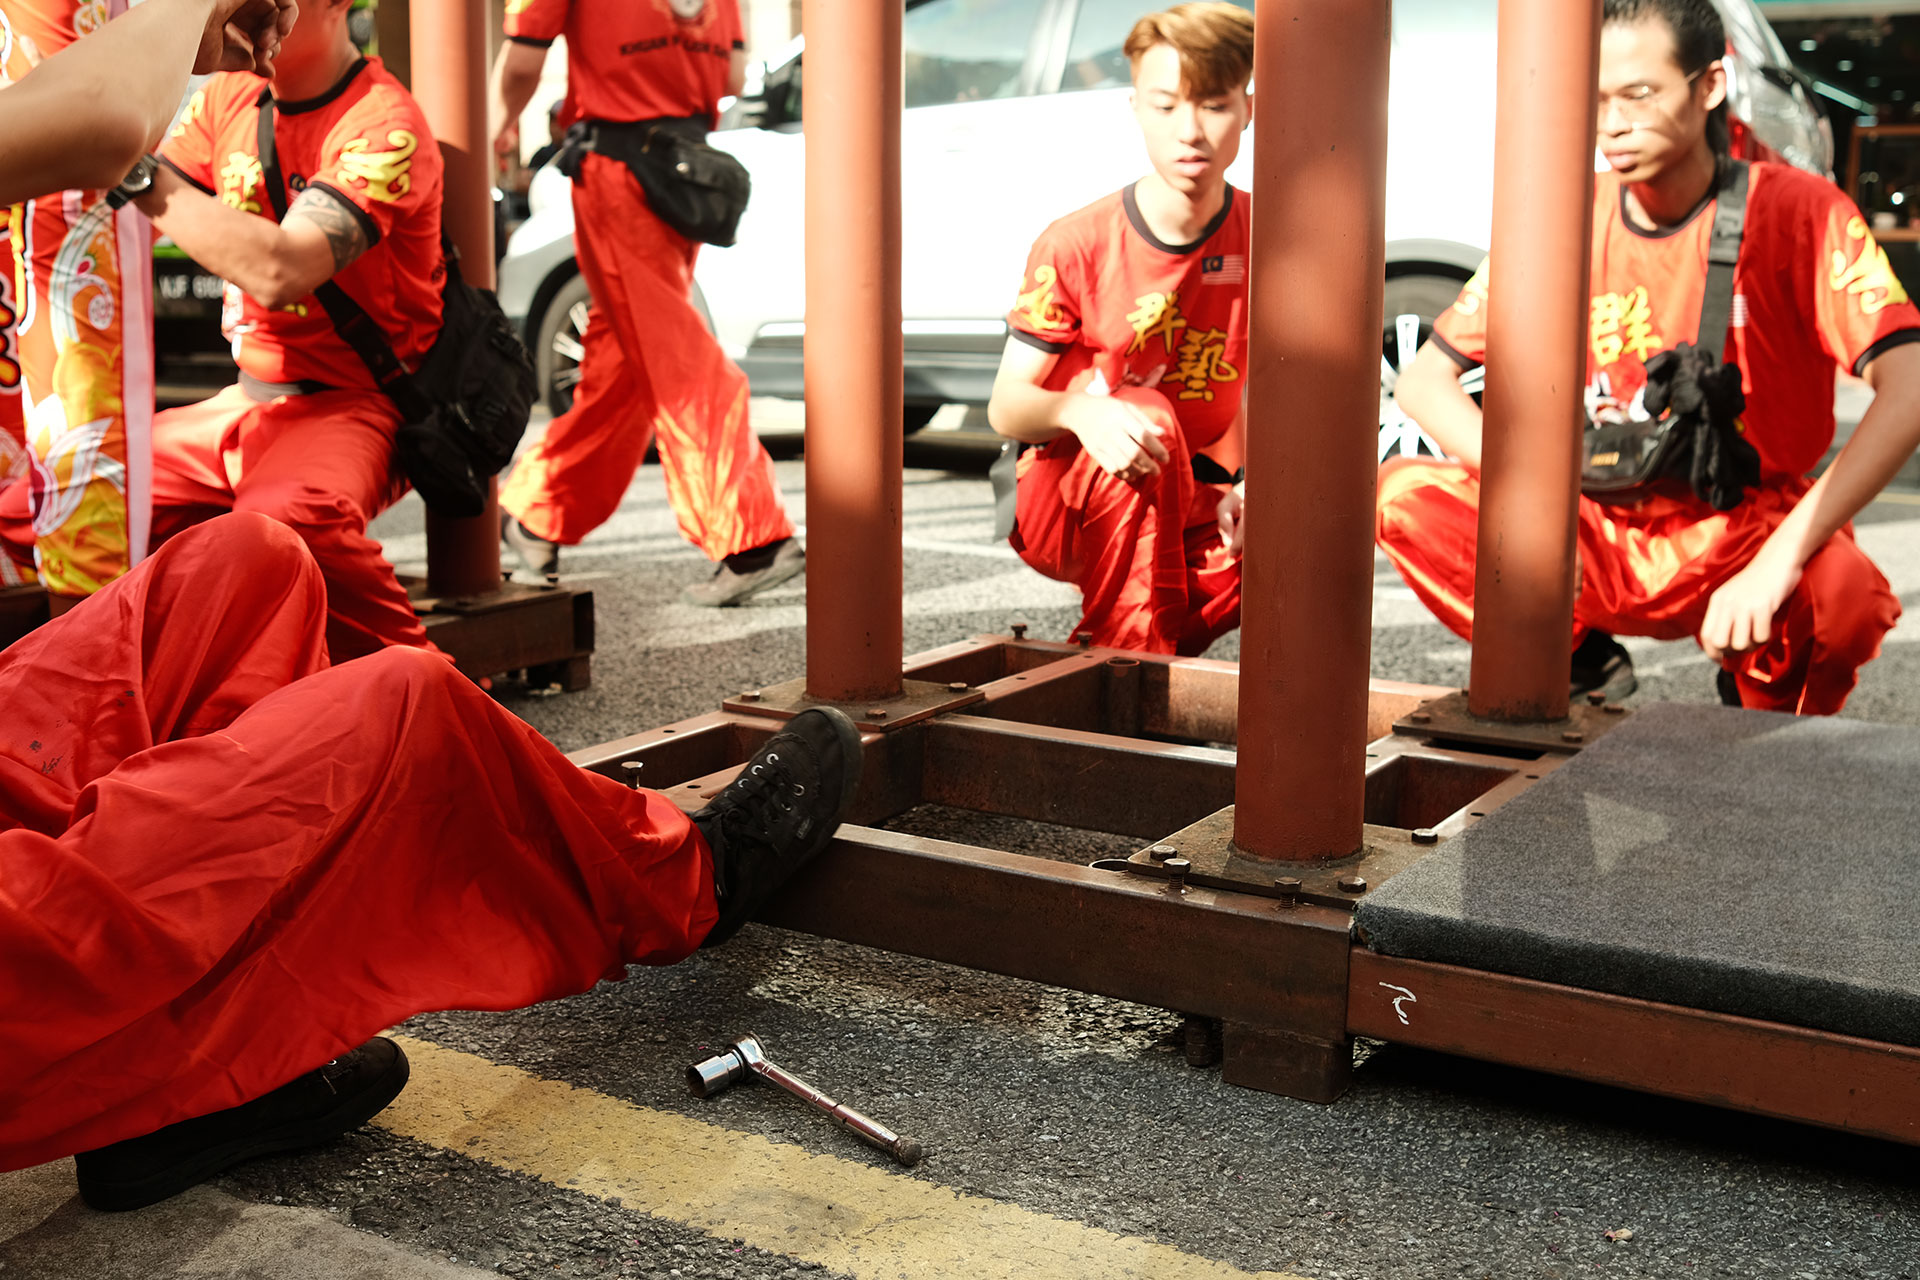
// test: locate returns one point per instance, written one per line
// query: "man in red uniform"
(1775, 590)
(1126, 354)
(651, 370)
(307, 436)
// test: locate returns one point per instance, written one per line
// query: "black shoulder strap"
(350, 320)
(1723, 252)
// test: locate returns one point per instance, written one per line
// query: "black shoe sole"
(354, 1110)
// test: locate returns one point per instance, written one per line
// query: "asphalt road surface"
(1065, 1134)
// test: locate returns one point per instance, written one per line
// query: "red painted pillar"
(1536, 357)
(1319, 233)
(449, 40)
(853, 353)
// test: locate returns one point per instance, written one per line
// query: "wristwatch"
(137, 182)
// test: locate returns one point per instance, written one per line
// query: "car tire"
(1413, 303)
(558, 346)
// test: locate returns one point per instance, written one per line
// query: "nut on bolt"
(750, 695)
(876, 713)
(1597, 699)
(630, 770)
(1161, 852)
(1353, 884)
(1288, 887)
(1426, 835)
(958, 686)
(1019, 630)
(1177, 869)
(1418, 717)
(1573, 735)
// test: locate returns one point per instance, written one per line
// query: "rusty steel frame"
(1236, 908)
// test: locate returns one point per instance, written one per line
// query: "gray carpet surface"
(1743, 862)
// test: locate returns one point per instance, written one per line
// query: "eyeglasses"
(1639, 104)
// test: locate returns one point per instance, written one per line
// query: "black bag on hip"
(698, 190)
(465, 408)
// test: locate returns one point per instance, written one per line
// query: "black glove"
(1706, 401)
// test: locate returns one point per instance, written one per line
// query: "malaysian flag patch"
(1230, 268)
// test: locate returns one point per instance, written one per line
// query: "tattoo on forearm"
(345, 236)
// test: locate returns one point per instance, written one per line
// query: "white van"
(1016, 113)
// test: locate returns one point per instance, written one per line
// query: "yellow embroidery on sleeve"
(1038, 303)
(196, 108)
(1473, 295)
(383, 174)
(1869, 277)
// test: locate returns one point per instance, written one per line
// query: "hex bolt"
(958, 686)
(1200, 1040)
(1019, 630)
(751, 695)
(1177, 869)
(1426, 835)
(1161, 852)
(1353, 884)
(1597, 699)
(876, 713)
(631, 770)
(1419, 717)
(1289, 889)
(1614, 709)
(1084, 639)
(1573, 735)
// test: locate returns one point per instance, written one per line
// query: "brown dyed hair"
(1214, 41)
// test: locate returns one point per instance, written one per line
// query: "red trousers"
(650, 370)
(1152, 571)
(321, 465)
(1650, 570)
(222, 862)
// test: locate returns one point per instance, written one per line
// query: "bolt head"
(1419, 717)
(1573, 735)
(1426, 835)
(1019, 630)
(1614, 709)
(1597, 699)
(958, 686)
(1178, 868)
(1161, 852)
(751, 695)
(1353, 884)
(876, 713)
(1289, 889)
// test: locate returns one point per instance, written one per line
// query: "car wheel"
(561, 344)
(1413, 302)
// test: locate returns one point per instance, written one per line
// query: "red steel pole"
(853, 352)
(449, 41)
(1319, 236)
(1536, 357)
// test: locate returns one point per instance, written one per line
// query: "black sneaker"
(779, 813)
(1600, 665)
(1729, 688)
(316, 1108)
(748, 574)
(535, 552)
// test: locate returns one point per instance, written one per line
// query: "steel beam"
(1319, 236)
(1536, 357)
(449, 38)
(853, 349)
(1791, 1073)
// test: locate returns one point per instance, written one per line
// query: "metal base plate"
(1216, 863)
(515, 628)
(917, 700)
(1448, 719)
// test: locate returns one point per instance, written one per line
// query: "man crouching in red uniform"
(307, 436)
(1774, 590)
(1126, 357)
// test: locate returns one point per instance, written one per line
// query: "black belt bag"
(698, 190)
(1691, 435)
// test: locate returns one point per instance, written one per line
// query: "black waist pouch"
(698, 190)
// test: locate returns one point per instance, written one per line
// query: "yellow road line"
(851, 1217)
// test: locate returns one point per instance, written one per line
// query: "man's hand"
(244, 35)
(1232, 531)
(506, 146)
(1740, 615)
(1122, 438)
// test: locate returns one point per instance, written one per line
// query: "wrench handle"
(904, 1150)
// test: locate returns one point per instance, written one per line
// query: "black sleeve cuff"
(739, 44)
(1898, 338)
(345, 201)
(1053, 348)
(191, 181)
(1467, 363)
(531, 42)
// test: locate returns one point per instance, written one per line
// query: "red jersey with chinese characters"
(1105, 293)
(636, 59)
(365, 144)
(1812, 288)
